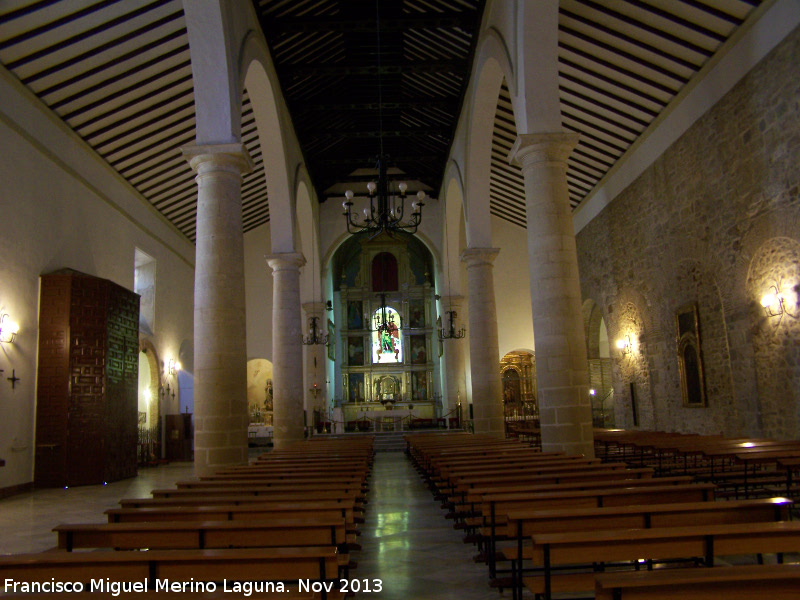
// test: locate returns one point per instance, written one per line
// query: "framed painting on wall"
(355, 351)
(355, 314)
(690, 360)
(416, 313)
(419, 354)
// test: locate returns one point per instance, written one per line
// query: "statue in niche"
(268, 396)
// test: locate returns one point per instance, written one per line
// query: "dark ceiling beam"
(369, 161)
(305, 106)
(629, 39)
(664, 14)
(464, 20)
(646, 27)
(438, 66)
(318, 134)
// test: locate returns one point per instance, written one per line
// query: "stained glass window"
(386, 346)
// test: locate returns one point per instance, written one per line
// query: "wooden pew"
(775, 582)
(318, 480)
(175, 535)
(524, 524)
(219, 510)
(706, 542)
(316, 491)
(241, 564)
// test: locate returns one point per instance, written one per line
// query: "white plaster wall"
(512, 288)
(63, 207)
(258, 292)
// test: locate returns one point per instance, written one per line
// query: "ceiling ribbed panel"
(358, 76)
(118, 72)
(363, 78)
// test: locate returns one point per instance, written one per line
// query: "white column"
(484, 348)
(220, 348)
(454, 365)
(562, 370)
(287, 349)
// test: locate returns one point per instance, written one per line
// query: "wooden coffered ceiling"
(118, 73)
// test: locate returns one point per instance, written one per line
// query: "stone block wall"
(715, 221)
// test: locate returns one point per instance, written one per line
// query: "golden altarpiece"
(386, 327)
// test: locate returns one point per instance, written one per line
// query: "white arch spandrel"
(493, 66)
(274, 135)
(217, 95)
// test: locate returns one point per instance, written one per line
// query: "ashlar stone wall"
(715, 222)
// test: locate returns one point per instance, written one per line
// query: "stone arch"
(217, 94)
(149, 350)
(633, 405)
(261, 83)
(601, 386)
(307, 243)
(493, 67)
(775, 267)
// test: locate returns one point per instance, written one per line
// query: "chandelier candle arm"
(386, 211)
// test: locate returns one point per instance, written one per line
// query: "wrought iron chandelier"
(386, 211)
(450, 333)
(315, 335)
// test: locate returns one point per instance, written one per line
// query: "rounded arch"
(453, 227)
(150, 353)
(492, 68)
(217, 95)
(334, 246)
(261, 84)
(259, 391)
(308, 244)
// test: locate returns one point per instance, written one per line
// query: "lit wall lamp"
(776, 303)
(625, 345)
(174, 367)
(8, 329)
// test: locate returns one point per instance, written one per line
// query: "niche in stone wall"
(690, 361)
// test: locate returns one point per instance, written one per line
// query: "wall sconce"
(772, 302)
(8, 329)
(776, 303)
(174, 367)
(625, 345)
(329, 306)
(592, 392)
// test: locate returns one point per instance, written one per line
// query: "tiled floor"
(407, 543)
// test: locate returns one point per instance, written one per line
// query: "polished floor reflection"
(407, 543)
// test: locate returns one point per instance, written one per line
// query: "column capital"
(230, 157)
(451, 300)
(284, 261)
(315, 308)
(479, 256)
(551, 149)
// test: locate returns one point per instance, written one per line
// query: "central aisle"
(409, 545)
